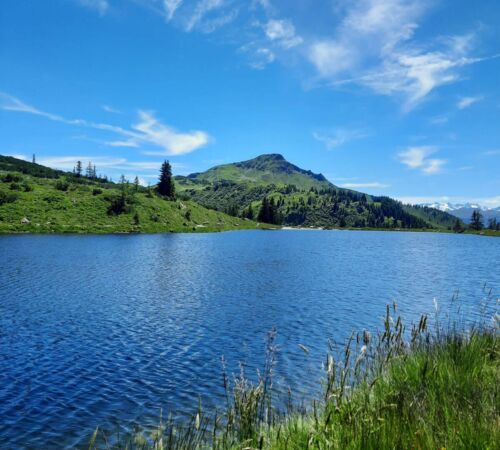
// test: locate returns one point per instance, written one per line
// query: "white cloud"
(372, 185)
(439, 120)
(148, 130)
(374, 47)
(10, 103)
(151, 168)
(331, 58)
(110, 109)
(261, 58)
(101, 6)
(171, 7)
(418, 158)
(433, 166)
(338, 137)
(152, 131)
(206, 7)
(282, 32)
(465, 102)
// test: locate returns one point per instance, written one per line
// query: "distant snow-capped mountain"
(464, 210)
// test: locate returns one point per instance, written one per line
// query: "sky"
(389, 97)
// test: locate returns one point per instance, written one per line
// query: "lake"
(107, 330)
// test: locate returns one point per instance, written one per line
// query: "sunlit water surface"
(106, 330)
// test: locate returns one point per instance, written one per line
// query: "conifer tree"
(89, 172)
(136, 183)
(264, 212)
(457, 227)
(78, 169)
(476, 222)
(166, 185)
(249, 214)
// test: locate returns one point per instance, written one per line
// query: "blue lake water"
(106, 330)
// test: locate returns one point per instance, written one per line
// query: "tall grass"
(402, 388)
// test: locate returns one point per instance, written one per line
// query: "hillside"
(300, 197)
(263, 170)
(37, 199)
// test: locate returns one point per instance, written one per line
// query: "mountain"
(37, 199)
(300, 197)
(464, 210)
(265, 169)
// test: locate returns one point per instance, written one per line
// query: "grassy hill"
(37, 199)
(301, 198)
(263, 170)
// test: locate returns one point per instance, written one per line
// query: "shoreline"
(484, 233)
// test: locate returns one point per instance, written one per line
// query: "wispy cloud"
(110, 109)
(439, 120)
(148, 129)
(338, 137)
(260, 57)
(374, 47)
(465, 102)
(171, 7)
(148, 169)
(369, 185)
(418, 158)
(283, 33)
(495, 152)
(101, 6)
(11, 103)
(209, 15)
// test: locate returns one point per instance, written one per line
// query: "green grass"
(261, 171)
(83, 208)
(400, 389)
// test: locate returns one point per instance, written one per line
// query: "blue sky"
(393, 97)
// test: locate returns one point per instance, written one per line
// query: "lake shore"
(5, 231)
(422, 390)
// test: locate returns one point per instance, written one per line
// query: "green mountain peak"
(265, 169)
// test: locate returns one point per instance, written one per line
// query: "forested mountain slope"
(299, 197)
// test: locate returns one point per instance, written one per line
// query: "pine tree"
(476, 222)
(268, 212)
(166, 186)
(136, 183)
(78, 169)
(457, 227)
(264, 212)
(89, 171)
(249, 214)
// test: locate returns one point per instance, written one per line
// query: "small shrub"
(187, 215)
(154, 218)
(96, 191)
(118, 206)
(11, 177)
(62, 185)
(15, 187)
(27, 187)
(51, 199)
(7, 197)
(137, 219)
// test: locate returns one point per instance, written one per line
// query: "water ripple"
(107, 330)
